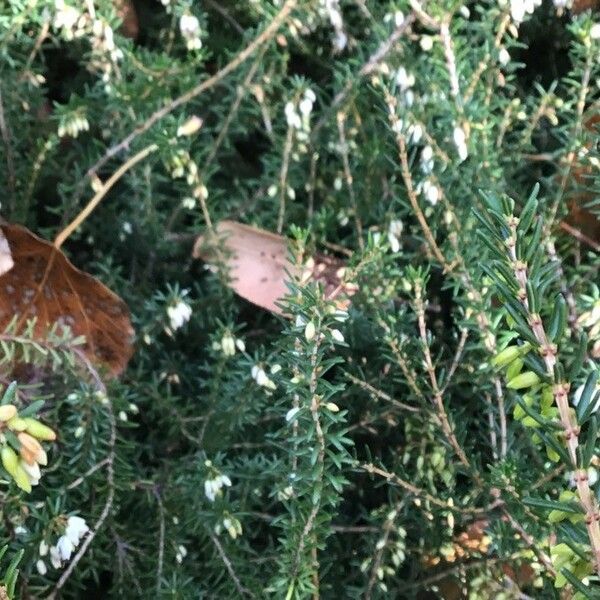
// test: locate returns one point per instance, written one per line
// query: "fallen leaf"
(259, 266)
(43, 284)
(6, 261)
(580, 222)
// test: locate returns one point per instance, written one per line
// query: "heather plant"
(416, 416)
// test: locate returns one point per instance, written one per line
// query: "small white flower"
(292, 117)
(503, 56)
(76, 529)
(431, 192)
(290, 414)
(310, 331)
(40, 565)
(228, 345)
(333, 407)
(595, 31)
(460, 141)
(189, 25)
(404, 79)
(55, 559)
(179, 314)
(191, 126)
(394, 233)
(122, 415)
(43, 548)
(65, 547)
(305, 106)
(181, 553)
(241, 345)
(33, 471)
(427, 159)
(337, 335)
(426, 42)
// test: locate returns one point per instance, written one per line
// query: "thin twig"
(99, 195)
(380, 393)
(242, 591)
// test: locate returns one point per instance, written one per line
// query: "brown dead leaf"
(6, 261)
(44, 284)
(259, 266)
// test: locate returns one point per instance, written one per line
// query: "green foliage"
(438, 432)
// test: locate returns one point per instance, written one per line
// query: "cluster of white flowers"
(460, 141)
(228, 344)
(189, 26)
(430, 191)
(61, 552)
(394, 233)
(231, 525)
(213, 486)
(68, 20)
(427, 160)
(260, 376)
(73, 24)
(297, 115)
(396, 17)
(181, 553)
(179, 313)
(331, 9)
(180, 164)
(72, 124)
(519, 9)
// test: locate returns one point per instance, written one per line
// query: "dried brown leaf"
(259, 266)
(43, 284)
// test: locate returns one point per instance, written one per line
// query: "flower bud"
(10, 461)
(191, 126)
(31, 450)
(7, 412)
(309, 331)
(524, 380)
(39, 430)
(514, 368)
(17, 424)
(506, 356)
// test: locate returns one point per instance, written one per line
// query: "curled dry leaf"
(43, 284)
(259, 266)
